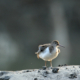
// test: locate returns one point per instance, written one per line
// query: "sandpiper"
(49, 51)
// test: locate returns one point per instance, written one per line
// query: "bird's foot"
(50, 67)
(44, 67)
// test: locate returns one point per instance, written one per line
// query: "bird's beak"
(61, 46)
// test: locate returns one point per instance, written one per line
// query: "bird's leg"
(45, 63)
(51, 63)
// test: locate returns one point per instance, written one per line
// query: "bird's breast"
(55, 50)
(46, 55)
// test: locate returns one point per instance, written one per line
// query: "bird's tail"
(37, 54)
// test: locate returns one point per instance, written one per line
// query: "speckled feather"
(42, 48)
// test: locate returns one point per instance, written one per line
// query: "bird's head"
(56, 43)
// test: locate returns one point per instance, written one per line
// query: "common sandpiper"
(49, 51)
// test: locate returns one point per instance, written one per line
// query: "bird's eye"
(56, 43)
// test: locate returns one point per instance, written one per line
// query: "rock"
(44, 67)
(65, 64)
(63, 73)
(2, 73)
(38, 71)
(5, 78)
(74, 75)
(35, 79)
(55, 70)
(44, 74)
(59, 65)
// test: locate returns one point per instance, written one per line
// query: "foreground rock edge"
(62, 73)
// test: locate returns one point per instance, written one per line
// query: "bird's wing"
(37, 54)
(41, 48)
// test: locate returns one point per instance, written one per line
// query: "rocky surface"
(58, 73)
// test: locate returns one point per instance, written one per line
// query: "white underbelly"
(47, 56)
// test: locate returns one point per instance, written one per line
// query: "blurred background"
(25, 24)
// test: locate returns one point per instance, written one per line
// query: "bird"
(49, 51)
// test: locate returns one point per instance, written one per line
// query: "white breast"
(47, 56)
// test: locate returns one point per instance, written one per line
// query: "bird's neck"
(54, 45)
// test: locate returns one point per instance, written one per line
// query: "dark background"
(24, 24)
